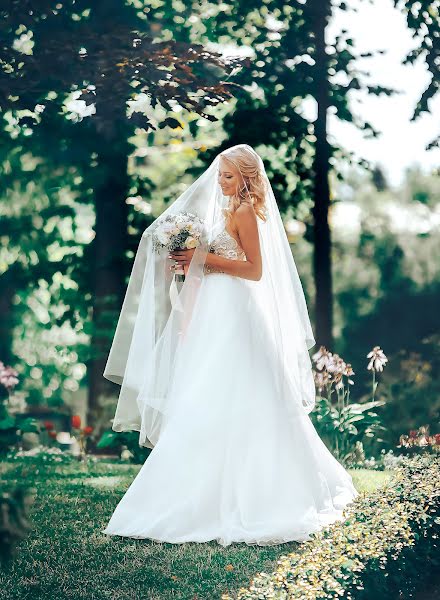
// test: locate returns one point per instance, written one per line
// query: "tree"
(292, 62)
(379, 179)
(422, 17)
(320, 12)
(82, 61)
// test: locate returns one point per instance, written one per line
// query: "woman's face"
(229, 177)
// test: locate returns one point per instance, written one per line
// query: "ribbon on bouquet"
(176, 303)
(174, 295)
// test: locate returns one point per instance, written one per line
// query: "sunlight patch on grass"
(109, 481)
(365, 480)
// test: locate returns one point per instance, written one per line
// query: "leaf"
(171, 122)
(7, 423)
(354, 418)
(107, 439)
(27, 424)
(360, 408)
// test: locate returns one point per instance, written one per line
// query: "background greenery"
(83, 173)
(109, 109)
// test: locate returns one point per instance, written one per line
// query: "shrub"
(123, 441)
(345, 426)
(419, 440)
(411, 389)
(379, 548)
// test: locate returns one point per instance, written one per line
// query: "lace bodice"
(225, 245)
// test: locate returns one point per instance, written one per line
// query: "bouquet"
(181, 231)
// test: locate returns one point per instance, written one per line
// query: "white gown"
(231, 465)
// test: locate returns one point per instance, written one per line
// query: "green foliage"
(12, 427)
(14, 519)
(378, 550)
(282, 42)
(387, 289)
(129, 439)
(9, 423)
(112, 72)
(342, 425)
(46, 225)
(422, 17)
(112, 55)
(52, 168)
(412, 389)
(385, 257)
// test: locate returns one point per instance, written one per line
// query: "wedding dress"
(231, 464)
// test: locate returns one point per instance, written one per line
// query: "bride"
(215, 373)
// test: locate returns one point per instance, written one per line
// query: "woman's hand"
(182, 257)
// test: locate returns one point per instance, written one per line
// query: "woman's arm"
(251, 268)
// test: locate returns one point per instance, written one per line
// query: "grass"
(366, 480)
(67, 557)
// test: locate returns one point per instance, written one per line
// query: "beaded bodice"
(225, 245)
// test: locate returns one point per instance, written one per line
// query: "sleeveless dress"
(225, 245)
(230, 465)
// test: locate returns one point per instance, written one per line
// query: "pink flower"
(378, 359)
(8, 376)
(322, 358)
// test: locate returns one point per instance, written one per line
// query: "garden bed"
(386, 547)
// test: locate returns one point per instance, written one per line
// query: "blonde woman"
(215, 375)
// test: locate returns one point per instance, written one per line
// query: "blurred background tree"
(291, 64)
(69, 61)
(422, 17)
(112, 108)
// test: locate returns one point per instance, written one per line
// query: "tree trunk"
(6, 323)
(108, 272)
(322, 239)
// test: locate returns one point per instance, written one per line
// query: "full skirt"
(231, 463)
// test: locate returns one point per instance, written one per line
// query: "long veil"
(157, 311)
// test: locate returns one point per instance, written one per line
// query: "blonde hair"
(254, 191)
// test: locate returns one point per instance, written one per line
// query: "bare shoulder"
(245, 212)
(246, 222)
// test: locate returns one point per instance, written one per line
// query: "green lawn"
(67, 556)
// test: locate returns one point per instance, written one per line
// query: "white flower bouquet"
(182, 231)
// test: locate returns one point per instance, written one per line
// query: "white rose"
(196, 231)
(162, 237)
(190, 242)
